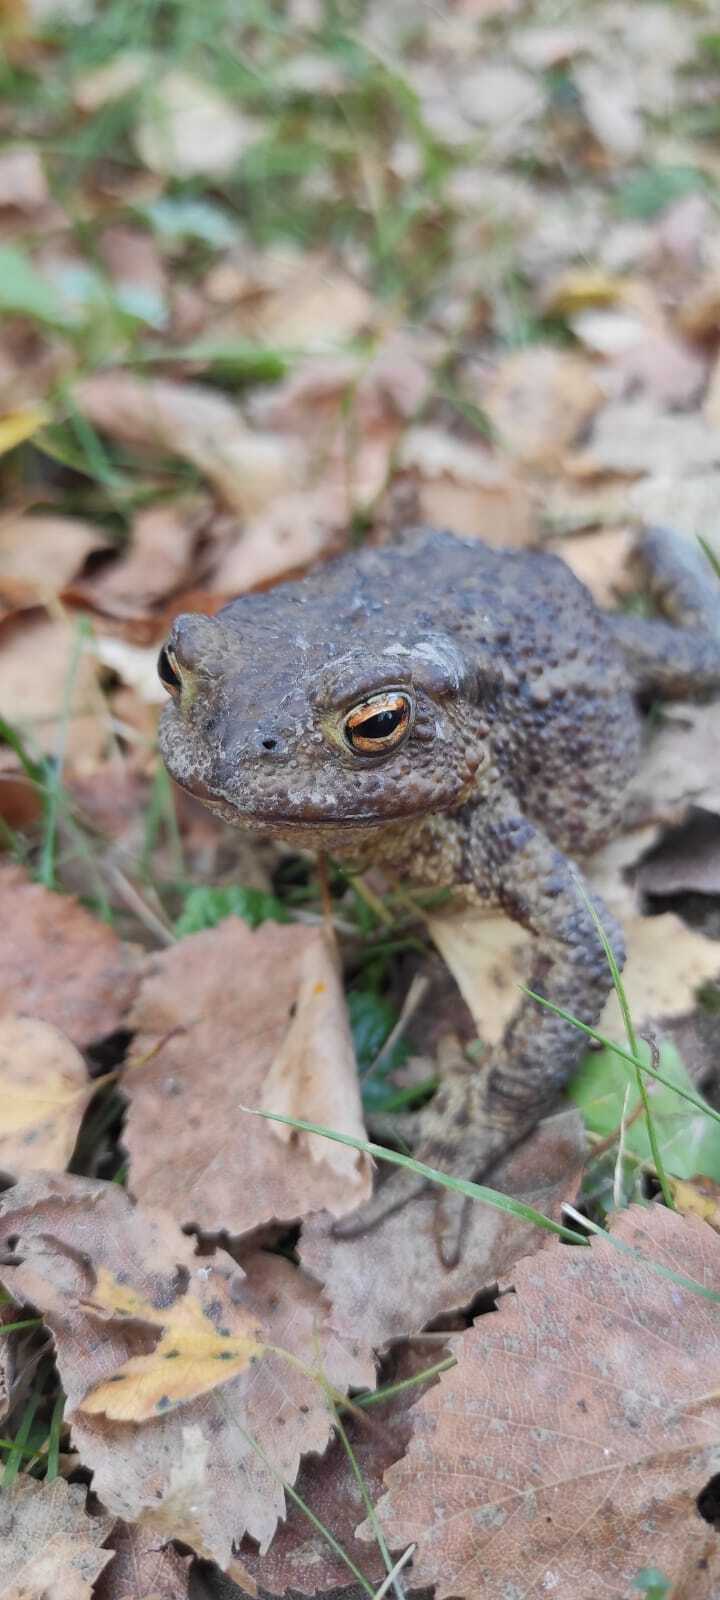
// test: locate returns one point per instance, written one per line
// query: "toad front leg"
(477, 1116)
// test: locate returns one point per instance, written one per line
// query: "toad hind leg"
(476, 1117)
(678, 657)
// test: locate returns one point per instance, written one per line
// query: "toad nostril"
(269, 744)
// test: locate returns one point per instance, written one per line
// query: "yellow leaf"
(44, 1091)
(191, 1357)
(578, 288)
(17, 426)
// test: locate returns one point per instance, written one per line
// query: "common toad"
(463, 716)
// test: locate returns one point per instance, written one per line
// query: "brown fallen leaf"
(193, 1148)
(92, 1262)
(160, 559)
(539, 400)
(609, 98)
(44, 1091)
(285, 538)
(567, 1449)
(390, 1282)
(635, 437)
(40, 555)
(142, 1568)
(49, 689)
(599, 560)
(299, 1559)
(59, 964)
(490, 957)
(248, 469)
(315, 306)
(49, 1546)
(23, 184)
(465, 488)
(680, 767)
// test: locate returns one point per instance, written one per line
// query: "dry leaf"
(539, 400)
(61, 965)
(634, 436)
(316, 306)
(299, 1558)
(312, 1074)
(390, 1282)
(464, 488)
(141, 1569)
(124, 72)
(49, 690)
(701, 1198)
(292, 532)
(489, 958)
(161, 557)
(680, 767)
(17, 426)
(187, 129)
(44, 1092)
(40, 555)
(247, 469)
(599, 560)
(23, 184)
(191, 1472)
(609, 96)
(193, 1147)
(49, 1546)
(566, 1450)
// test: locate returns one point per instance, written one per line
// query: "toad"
(463, 717)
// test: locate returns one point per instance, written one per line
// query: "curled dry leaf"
(59, 964)
(248, 469)
(48, 1543)
(187, 129)
(112, 1280)
(141, 1568)
(193, 1147)
(390, 1282)
(44, 1091)
(40, 555)
(537, 1467)
(539, 400)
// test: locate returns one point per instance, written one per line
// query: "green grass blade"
(18, 1451)
(474, 1191)
(600, 1038)
(632, 1042)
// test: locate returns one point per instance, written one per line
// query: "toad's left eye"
(378, 724)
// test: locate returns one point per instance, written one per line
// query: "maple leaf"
(567, 1449)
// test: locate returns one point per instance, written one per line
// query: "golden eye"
(378, 724)
(168, 671)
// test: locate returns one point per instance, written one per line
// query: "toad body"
(463, 717)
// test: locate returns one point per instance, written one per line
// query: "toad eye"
(168, 671)
(379, 723)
